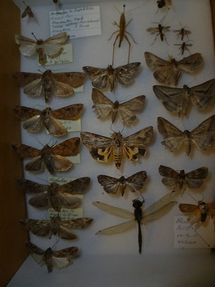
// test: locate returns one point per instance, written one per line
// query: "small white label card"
(78, 22)
(189, 236)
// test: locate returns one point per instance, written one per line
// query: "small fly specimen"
(27, 12)
(122, 34)
(49, 84)
(53, 158)
(133, 183)
(116, 148)
(107, 78)
(203, 136)
(51, 47)
(159, 31)
(179, 180)
(198, 214)
(54, 195)
(53, 258)
(151, 213)
(164, 3)
(183, 47)
(35, 121)
(169, 72)
(179, 100)
(56, 226)
(182, 33)
(106, 109)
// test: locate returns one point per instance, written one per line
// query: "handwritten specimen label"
(189, 236)
(77, 22)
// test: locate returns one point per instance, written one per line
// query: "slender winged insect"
(122, 34)
(182, 33)
(53, 258)
(159, 31)
(184, 47)
(139, 216)
(164, 3)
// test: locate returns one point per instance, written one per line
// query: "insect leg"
(129, 47)
(113, 34)
(114, 44)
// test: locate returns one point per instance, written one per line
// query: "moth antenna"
(56, 242)
(24, 3)
(201, 237)
(34, 36)
(191, 196)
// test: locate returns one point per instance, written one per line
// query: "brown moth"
(122, 34)
(50, 84)
(120, 185)
(105, 108)
(179, 100)
(169, 72)
(56, 226)
(179, 180)
(51, 47)
(159, 31)
(116, 148)
(27, 12)
(54, 195)
(53, 258)
(139, 216)
(164, 3)
(53, 158)
(35, 121)
(198, 214)
(203, 136)
(182, 33)
(107, 78)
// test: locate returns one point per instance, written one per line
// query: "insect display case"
(174, 251)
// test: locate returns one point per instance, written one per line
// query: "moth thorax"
(45, 150)
(55, 224)
(122, 180)
(46, 112)
(204, 210)
(40, 42)
(174, 62)
(110, 69)
(117, 138)
(48, 259)
(115, 110)
(187, 89)
(187, 133)
(182, 174)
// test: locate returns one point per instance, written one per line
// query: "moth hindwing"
(203, 136)
(116, 148)
(126, 112)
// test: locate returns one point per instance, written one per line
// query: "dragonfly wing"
(119, 228)
(123, 213)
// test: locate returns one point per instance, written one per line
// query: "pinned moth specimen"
(179, 180)
(35, 121)
(27, 12)
(198, 214)
(159, 31)
(50, 84)
(51, 47)
(57, 3)
(56, 226)
(126, 111)
(183, 47)
(107, 78)
(169, 72)
(133, 183)
(53, 158)
(164, 3)
(179, 100)
(182, 33)
(122, 34)
(203, 136)
(116, 148)
(151, 213)
(53, 258)
(54, 195)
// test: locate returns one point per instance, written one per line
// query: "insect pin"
(122, 34)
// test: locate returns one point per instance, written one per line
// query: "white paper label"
(77, 22)
(187, 236)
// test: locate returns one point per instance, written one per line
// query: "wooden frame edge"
(212, 4)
